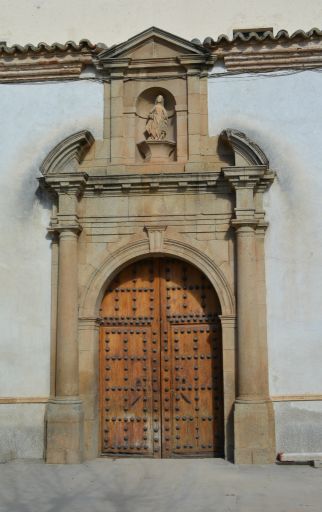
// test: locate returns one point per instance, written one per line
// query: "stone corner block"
(64, 432)
(254, 428)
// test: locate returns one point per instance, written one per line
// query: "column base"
(254, 427)
(64, 431)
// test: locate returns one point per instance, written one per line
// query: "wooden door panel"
(161, 370)
(191, 316)
(127, 393)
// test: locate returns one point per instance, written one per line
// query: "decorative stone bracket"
(156, 237)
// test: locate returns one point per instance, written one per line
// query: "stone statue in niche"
(157, 123)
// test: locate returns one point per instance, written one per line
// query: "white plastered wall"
(282, 113)
(34, 118)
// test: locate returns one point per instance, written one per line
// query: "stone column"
(253, 414)
(64, 418)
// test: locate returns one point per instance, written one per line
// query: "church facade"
(161, 293)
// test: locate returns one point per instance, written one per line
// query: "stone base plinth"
(64, 432)
(254, 428)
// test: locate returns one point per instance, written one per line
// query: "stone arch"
(137, 249)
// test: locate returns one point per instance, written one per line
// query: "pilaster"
(253, 413)
(64, 417)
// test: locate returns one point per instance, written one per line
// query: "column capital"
(261, 228)
(65, 183)
(249, 183)
(64, 226)
(244, 177)
(244, 224)
(228, 321)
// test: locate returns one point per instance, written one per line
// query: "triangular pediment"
(153, 43)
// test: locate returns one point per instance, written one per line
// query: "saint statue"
(157, 123)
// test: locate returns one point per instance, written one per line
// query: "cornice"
(46, 62)
(153, 183)
(266, 52)
(241, 53)
(73, 183)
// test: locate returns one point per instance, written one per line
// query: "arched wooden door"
(161, 363)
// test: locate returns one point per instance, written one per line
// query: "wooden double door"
(161, 363)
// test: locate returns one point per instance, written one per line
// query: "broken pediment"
(154, 47)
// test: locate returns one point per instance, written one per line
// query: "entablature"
(162, 183)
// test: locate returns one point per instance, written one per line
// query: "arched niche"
(155, 151)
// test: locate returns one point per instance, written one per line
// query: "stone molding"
(244, 177)
(138, 183)
(73, 183)
(45, 62)
(115, 60)
(266, 52)
(24, 400)
(228, 320)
